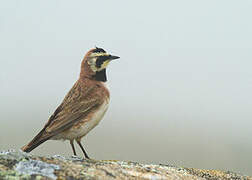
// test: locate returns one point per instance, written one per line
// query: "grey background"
(180, 94)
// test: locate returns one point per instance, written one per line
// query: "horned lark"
(84, 105)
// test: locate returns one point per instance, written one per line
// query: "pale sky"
(180, 93)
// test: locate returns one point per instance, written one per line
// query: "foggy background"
(180, 94)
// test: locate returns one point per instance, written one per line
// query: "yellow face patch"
(99, 54)
(104, 65)
(92, 63)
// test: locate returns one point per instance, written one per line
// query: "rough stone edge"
(17, 156)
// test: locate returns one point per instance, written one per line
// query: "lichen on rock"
(20, 165)
(31, 167)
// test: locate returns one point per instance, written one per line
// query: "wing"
(75, 106)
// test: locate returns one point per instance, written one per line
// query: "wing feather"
(75, 106)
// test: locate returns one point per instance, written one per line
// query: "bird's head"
(95, 63)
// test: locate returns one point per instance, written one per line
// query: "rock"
(20, 165)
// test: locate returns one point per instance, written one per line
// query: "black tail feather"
(36, 141)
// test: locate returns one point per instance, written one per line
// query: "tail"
(36, 141)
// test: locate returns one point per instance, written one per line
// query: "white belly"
(96, 118)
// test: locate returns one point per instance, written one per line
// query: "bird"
(83, 107)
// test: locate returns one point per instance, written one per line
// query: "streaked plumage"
(84, 105)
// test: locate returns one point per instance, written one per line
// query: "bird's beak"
(113, 57)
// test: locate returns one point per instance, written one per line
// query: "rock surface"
(20, 165)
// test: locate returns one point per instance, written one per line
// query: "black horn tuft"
(98, 50)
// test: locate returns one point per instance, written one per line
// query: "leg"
(83, 150)
(71, 142)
